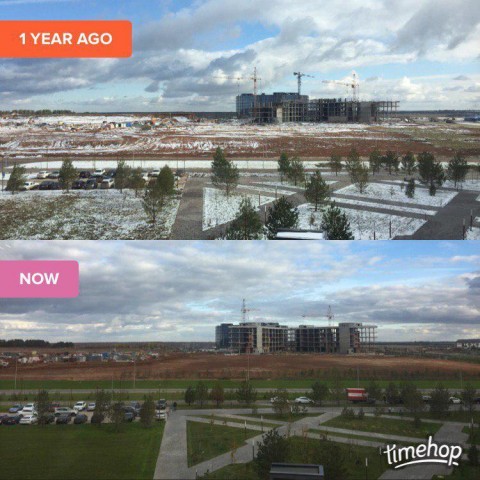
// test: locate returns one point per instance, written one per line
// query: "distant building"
(222, 335)
(468, 343)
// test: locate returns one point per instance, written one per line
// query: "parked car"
(97, 418)
(49, 185)
(29, 409)
(53, 406)
(130, 409)
(81, 418)
(29, 419)
(42, 174)
(426, 398)
(136, 406)
(154, 173)
(98, 172)
(85, 174)
(13, 420)
(129, 417)
(111, 173)
(2, 416)
(91, 184)
(79, 184)
(16, 408)
(107, 183)
(27, 186)
(161, 404)
(63, 419)
(477, 400)
(46, 418)
(54, 175)
(454, 400)
(80, 406)
(64, 411)
(91, 407)
(160, 414)
(303, 400)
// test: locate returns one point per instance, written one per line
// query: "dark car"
(54, 175)
(79, 184)
(91, 184)
(85, 174)
(15, 409)
(97, 418)
(80, 418)
(111, 173)
(137, 406)
(129, 409)
(12, 420)
(64, 419)
(46, 419)
(161, 404)
(129, 417)
(2, 417)
(49, 185)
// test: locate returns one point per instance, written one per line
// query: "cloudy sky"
(424, 53)
(179, 291)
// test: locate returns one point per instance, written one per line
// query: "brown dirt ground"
(201, 365)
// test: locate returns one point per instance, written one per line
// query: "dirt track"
(261, 366)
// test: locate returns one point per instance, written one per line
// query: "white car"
(276, 399)
(42, 174)
(98, 172)
(80, 406)
(91, 407)
(27, 186)
(455, 400)
(161, 414)
(107, 183)
(28, 409)
(64, 411)
(303, 400)
(154, 173)
(29, 419)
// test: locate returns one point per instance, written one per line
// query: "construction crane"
(299, 76)
(245, 310)
(330, 316)
(354, 84)
(238, 79)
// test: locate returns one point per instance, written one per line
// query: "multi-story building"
(222, 335)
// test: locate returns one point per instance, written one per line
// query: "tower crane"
(245, 310)
(354, 84)
(330, 316)
(299, 76)
(238, 79)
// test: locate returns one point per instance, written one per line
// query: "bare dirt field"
(41, 138)
(202, 365)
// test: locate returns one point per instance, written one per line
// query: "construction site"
(293, 107)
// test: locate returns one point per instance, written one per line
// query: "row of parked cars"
(28, 415)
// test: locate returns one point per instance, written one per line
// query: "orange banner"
(65, 39)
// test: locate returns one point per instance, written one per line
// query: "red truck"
(357, 395)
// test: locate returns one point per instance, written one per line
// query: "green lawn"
(205, 441)
(66, 452)
(283, 418)
(452, 416)
(240, 420)
(300, 452)
(355, 436)
(476, 434)
(184, 383)
(462, 472)
(384, 425)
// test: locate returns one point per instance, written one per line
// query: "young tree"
(217, 394)
(413, 401)
(246, 393)
(373, 390)
(224, 173)
(281, 405)
(375, 161)
(189, 395)
(361, 178)
(408, 164)
(391, 162)
(317, 191)
(472, 455)
(469, 394)
(122, 175)
(166, 181)
(153, 202)
(282, 214)
(274, 448)
(147, 412)
(439, 401)
(392, 394)
(43, 404)
(335, 163)
(457, 169)
(335, 224)
(201, 393)
(431, 172)
(137, 182)
(333, 459)
(296, 172)
(116, 415)
(319, 392)
(283, 166)
(102, 406)
(247, 225)
(352, 164)
(338, 392)
(68, 174)
(410, 188)
(17, 179)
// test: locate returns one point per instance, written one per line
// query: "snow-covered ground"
(395, 208)
(219, 209)
(363, 224)
(382, 191)
(97, 214)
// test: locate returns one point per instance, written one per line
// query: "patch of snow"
(395, 208)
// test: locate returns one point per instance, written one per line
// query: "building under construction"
(255, 337)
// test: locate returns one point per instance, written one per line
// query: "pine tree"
(457, 169)
(122, 175)
(153, 202)
(431, 172)
(137, 181)
(273, 448)
(246, 393)
(439, 401)
(410, 188)
(319, 392)
(247, 225)
(375, 161)
(296, 172)
(283, 166)
(17, 179)
(361, 178)
(102, 406)
(224, 173)
(353, 164)
(408, 164)
(166, 180)
(317, 191)
(335, 224)
(147, 412)
(68, 174)
(43, 404)
(217, 394)
(189, 395)
(390, 160)
(201, 393)
(282, 214)
(335, 163)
